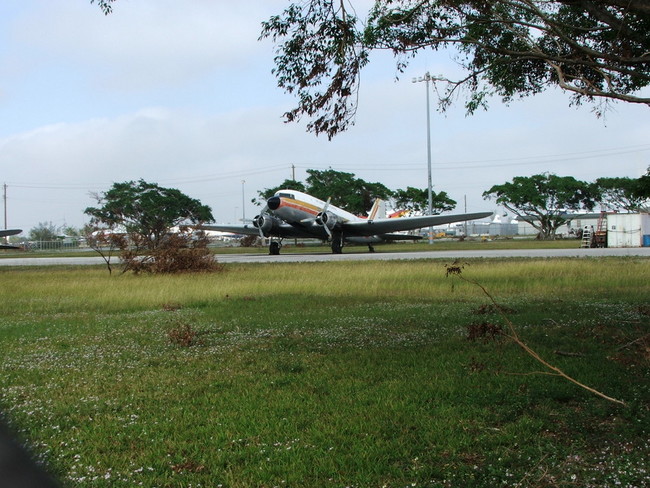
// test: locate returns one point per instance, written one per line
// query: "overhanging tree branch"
(592, 50)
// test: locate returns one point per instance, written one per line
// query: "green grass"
(330, 374)
(311, 247)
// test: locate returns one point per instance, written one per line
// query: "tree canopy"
(623, 193)
(416, 201)
(44, 231)
(544, 199)
(597, 50)
(642, 190)
(345, 190)
(148, 210)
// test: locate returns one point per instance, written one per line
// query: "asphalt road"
(363, 256)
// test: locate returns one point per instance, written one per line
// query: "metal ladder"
(600, 236)
(586, 236)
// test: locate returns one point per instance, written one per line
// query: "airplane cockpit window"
(286, 195)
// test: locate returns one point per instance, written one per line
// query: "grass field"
(331, 374)
(309, 247)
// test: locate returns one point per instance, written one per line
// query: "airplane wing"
(235, 229)
(281, 230)
(385, 226)
(6, 233)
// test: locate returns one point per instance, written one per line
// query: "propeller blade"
(327, 204)
(324, 212)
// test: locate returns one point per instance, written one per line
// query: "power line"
(497, 162)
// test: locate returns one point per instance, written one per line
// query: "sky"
(182, 94)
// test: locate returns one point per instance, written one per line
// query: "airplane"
(294, 214)
(7, 233)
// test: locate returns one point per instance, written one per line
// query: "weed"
(183, 335)
(487, 331)
(456, 268)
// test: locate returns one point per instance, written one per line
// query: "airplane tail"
(378, 210)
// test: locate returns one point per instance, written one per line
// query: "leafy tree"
(137, 218)
(44, 231)
(416, 201)
(71, 231)
(622, 193)
(344, 190)
(147, 211)
(544, 199)
(593, 49)
(643, 188)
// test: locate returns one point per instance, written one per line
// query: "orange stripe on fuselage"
(298, 205)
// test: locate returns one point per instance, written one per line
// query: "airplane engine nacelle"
(266, 223)
(327, 219)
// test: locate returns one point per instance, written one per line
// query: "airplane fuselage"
(300, 208)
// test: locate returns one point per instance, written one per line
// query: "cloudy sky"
(181, 94)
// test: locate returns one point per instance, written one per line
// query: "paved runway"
(363, 256)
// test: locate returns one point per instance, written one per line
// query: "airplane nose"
(273, 203)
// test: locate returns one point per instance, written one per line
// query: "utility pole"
(4, 200)
(293, 172)
(427, 78)
(243, 202)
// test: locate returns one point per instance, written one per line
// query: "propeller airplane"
(294, 214)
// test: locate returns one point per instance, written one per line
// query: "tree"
(622, 193)
(416, 201)
(344, 190)
(147, 210)
(543, 200)
(138, 219)
(597, 50)
(643, 188)
(44, 231)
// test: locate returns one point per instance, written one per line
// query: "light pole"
(243, 203)
(427, 78)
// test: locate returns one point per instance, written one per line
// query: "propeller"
(322, 218)
(258, 221)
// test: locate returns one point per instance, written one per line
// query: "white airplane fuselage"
(303, 210)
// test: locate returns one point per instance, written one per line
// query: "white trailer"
(628, 230)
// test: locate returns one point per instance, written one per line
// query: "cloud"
(145, 44)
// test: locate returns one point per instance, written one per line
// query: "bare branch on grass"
(512, 335)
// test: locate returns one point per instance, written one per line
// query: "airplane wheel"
(337, 245)
(274, 248)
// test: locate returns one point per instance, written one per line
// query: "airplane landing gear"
(337, 243)
(371, 248)
(274, 248)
